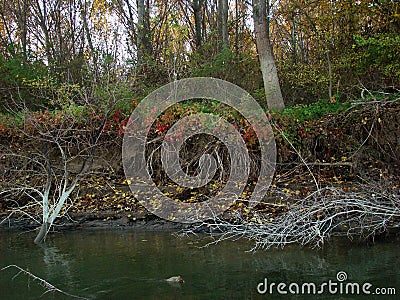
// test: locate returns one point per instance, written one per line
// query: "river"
(134, 265)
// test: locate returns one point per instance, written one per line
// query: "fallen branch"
(48, 286)
(313, 220)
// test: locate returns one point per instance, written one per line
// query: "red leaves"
(120, 122)
(122, 126)
(161, 128)
(116, 116)
(301, 132)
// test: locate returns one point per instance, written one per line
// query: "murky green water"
(133, 265)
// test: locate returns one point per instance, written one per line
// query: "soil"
(104, 199)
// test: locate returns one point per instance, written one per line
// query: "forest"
(326, 73)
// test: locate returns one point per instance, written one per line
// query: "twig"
(313, 220)
(48, 286)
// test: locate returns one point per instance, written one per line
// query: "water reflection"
(55, 261)
(134, 265)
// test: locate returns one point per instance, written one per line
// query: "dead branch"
(49, 288)
(327, 212)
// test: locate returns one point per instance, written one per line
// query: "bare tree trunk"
(86, 30)
(272, 88)
(222, 20)
(225, 31)
(22, 24)
(140, 30)
(144, 49)
(328, 59)
(42, 233)
(197, 11)
(294, 38)
(237, 28)
(42, 20)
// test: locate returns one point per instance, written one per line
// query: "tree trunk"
(237, 29)
(144, 47)
(222, 20)
(42, 233)
(197, 11)
(273, 92)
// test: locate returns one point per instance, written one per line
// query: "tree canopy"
(321, 48)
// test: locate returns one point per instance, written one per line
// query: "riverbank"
(332, 171)
(95, 220)
(363, 213)
(109, 221)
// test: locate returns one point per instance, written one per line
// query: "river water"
(134, 265)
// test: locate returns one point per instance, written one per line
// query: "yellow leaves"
(192, 199)
(287, 191)
(100, 15)
(126, 181)
(90, 196)
(337, 180)
(256, 220)
(171, 217)
(246, 194)
(192, 243)
(129, 216)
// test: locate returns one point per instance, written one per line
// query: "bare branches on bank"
(363, 213)
(44, 160)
